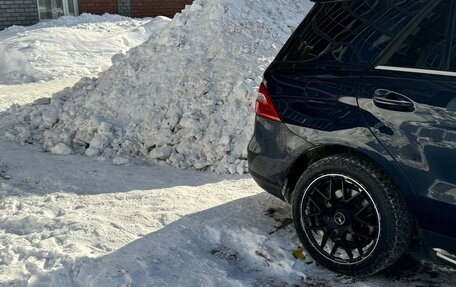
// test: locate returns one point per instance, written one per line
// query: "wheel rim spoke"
(325, 238)
(319, 207)
(366, 236)
(345, 190)
(332, 191)
(321, 194)
(335, 247)
(362, 209)
(358, 245)
(312, 215)
(317, 228)
(354, 197)
(346, 248)
(366, 222)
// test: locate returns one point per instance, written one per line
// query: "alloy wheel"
(340, 219)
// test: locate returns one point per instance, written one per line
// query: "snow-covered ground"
(70, 46)
(79, 221)
(40, 60)
(26, 93)
(76, 221)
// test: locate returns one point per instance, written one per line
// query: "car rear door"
(408, 100)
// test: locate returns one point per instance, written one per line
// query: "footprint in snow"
(4, 171)
(226, 253)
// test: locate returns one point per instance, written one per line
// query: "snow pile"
(14, 67)
(70, 46)
(184, 97)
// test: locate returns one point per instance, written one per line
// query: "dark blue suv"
(356, 128)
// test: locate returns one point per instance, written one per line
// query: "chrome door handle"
(389, 100)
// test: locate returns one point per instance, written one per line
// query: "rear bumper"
(273, 188)
(271, 151)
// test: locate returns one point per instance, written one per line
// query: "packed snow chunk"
(184, 97)
(161, 153)
(61, 149)
(120, 161)
(15, 68)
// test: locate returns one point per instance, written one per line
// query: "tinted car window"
(384, 21)
(328, 23)
(452, 62)
(425, 46)
(453, 57)
(354, 32)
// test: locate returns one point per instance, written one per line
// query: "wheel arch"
(387, 164)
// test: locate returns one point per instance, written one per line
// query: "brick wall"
(25, 12)
(18, 12)
(99, 6)
(123, 7)
(147, 8)
(134, 8)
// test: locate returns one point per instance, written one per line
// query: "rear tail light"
(264, 107)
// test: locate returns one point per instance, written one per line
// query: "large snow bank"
(70, 46)
(184, 97)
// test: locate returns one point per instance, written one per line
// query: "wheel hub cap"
(339, 218)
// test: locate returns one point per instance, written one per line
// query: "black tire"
(374, 215)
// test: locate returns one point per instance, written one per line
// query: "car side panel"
(422, 141)
(322, 108)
